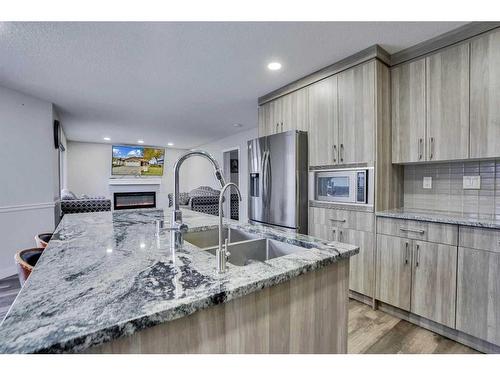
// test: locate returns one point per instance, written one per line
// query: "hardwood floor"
(375, 332)
(370, 331)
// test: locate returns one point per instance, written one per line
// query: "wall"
(447, 193)
(29, 183)
(89, 170)
(202, 170)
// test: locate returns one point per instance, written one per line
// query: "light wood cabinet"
(485, 96)
(343, 226)
(356, 93)
(478, 294)
(408, 112)
(323, 122)
(394, 271)
(289, 112)
(448, 104)
(430, 107)
(434, 282)
(361, 270)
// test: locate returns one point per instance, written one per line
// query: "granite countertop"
(482, 221)
(105, 275)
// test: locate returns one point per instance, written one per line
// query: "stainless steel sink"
(244, 247)
(243, 253)
(209, 238)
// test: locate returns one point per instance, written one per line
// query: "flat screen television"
(137, 161)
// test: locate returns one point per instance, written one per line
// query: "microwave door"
(336, 187)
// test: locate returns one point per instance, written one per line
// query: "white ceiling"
(186, 82)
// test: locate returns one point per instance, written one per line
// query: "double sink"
(244, 247)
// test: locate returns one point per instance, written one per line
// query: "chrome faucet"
(177, 225)
(222, 253)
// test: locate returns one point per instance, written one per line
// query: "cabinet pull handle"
(419, 231)
(341, 236)
(281, 125)
(277, 127)
(420, 143)
(418, 255)
(431, 148)
(406, 252)
(341, 152)
(339, 220)
(334, 231)
(334, 153)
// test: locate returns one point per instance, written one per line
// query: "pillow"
(67, 195)
(204, 191)
(184, 198)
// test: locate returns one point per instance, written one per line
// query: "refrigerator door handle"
(269, 180)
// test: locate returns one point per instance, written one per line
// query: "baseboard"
(452, 334)
(9, 271)
(361, 298)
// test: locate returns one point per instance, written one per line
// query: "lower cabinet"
(417, 276)
(394, 271)
(336, 225)
(361, 265)
(434, 282)
(478, 294)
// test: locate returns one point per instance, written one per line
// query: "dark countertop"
(105, 275)
(481, 221)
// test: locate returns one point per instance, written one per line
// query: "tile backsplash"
(447, 193)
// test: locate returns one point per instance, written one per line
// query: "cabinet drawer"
(480, 238)
(342, 218)
(419, 230)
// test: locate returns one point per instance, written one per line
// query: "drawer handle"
(418, 256)
(419, 231)
(339, 220)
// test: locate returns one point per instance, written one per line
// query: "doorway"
(231, 159)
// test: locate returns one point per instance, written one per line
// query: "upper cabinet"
(408, 112)
(356, 92)
(285, 113)
(485, 96)
(323, 122)
(448, 104)
(430, 107)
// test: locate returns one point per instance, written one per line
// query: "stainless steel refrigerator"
(278, 180)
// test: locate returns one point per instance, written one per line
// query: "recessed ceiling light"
(107, 139)
(140, 141)
(237, 125)
(274, 65)
(170, 144)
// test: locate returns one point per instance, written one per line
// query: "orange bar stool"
(25, 261)
(42, 239)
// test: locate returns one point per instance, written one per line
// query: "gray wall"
(89, 170)
(447, 193)
(29, 183)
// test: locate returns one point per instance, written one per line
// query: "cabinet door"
(323, 122)
(295, 111)
(276, 116)
(478, 294)
(319, 226)
(356, 91)
(485, 96)
(361, 265)
(434, 282)
(264, 119)
(408, 112)
(394, 271)
(448, 104)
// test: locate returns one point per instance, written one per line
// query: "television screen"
(138, 161)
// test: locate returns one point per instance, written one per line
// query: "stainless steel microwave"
(343, 185)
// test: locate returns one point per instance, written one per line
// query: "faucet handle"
(226, 248)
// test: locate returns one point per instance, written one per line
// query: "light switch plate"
(472, 182)
(427, 183)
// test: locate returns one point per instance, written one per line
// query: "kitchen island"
(107, 284)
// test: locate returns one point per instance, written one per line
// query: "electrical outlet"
(472, 182)
(427, 183)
